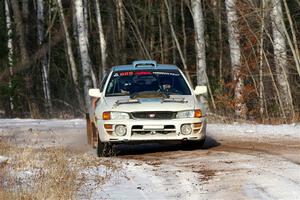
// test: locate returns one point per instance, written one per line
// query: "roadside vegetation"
(48, 173)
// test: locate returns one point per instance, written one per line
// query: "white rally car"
(145, 102)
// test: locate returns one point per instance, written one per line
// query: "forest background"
(245, 51)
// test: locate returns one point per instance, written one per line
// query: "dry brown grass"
(44, 173)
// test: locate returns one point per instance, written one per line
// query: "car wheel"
(104, 149)
(191, 145)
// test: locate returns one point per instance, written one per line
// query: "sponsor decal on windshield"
(143, 73)
(166, 73)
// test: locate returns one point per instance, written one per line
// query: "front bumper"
(151, 130)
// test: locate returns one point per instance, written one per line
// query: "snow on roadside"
(255, 130)
(49, 123)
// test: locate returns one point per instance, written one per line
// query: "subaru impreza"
(145, 102)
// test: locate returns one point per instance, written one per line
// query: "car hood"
(185, 102)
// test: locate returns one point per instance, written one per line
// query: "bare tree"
(25, 15)
(261, 61)
(83, 49)
(177, 42)
(121, 28)
(44, 61)
(10, 49)
(293, 44)
(101, 40)
(24, 58)
(280, 55)
(235, 57)
(197, 14)
(164, 33)
(70, 54)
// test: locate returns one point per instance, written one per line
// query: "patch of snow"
(255, 130)
(3, 159)
(49, 123)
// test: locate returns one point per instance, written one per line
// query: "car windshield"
(127, 83)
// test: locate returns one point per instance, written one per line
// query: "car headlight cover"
(185, 114)
(189, 114)
(119, 115)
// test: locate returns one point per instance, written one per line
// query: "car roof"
(150, 65)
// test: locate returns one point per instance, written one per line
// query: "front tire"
(104, 149)
(192, 145)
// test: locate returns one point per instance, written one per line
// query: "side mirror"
(95, 93)
(200, 90)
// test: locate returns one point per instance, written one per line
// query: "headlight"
(189, 114)
(115, 116)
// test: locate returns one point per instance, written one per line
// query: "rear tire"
(104, 149)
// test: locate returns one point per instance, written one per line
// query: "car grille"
(154, 115)
(139, 130)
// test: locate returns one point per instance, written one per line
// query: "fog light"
(186, 129)
(120, 130)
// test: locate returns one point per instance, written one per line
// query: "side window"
(103, 82)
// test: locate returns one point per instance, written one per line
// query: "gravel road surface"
(238, 161)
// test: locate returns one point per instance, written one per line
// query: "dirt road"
(236, 162)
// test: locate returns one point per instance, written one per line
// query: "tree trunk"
(86, 28)
(261, 62)
(220, 41)
(235, 56)
(293, 44)
(280, 56)
(102, 41)
(164, 31)
(83, 49)
(183, 29)
(121, 29)
(172, 9)
(112, 33)
(20, 34)
(44, 62)
(70, 54)
(10, 50)
(20, 31)
(153, 30)
(197, 14)
(85, 17)
(177, 43)
(25, 14)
